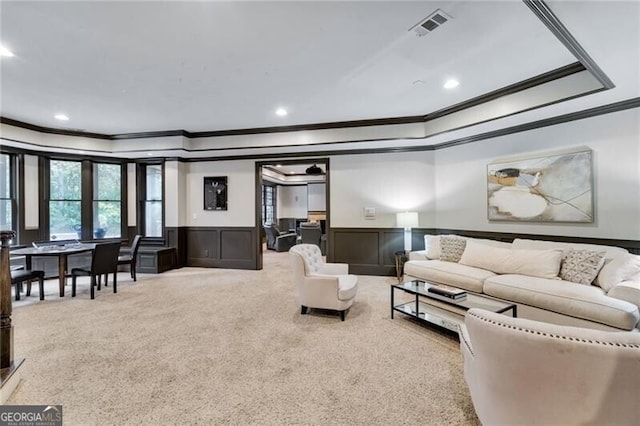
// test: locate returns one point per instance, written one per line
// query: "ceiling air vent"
(430, 23)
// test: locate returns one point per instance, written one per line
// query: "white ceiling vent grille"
(430, 23)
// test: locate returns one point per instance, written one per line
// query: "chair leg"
(98, 278)
(93, 284)
(133, 271)
(115, 282)
(303, 310)
(73, 285)
(342, 315)
(18, 290)
(106, 280)
(41, 287)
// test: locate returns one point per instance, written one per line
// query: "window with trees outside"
(65, 199)
(6, 193)
(107, 206)
(153, 200)
(268, 204)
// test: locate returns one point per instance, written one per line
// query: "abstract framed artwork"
(215, 193)
(547, 188)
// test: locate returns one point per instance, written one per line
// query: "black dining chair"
(18, 277)
(130, 257)
(103, 261)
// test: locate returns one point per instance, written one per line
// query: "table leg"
(62, 272)
(392, 302)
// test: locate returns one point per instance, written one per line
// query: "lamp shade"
(407, 219)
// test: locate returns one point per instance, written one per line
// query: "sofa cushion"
(453, 274)
(610, 251)
(535, 263)
(581, 266)
(618, 269)
(451, 248)
(432, 246)
(576, 300)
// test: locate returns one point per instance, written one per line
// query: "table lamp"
(407, 220)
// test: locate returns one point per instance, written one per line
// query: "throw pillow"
(532, 263)
(581, 266)
(451, 248)
(619, 269)
(432, 246)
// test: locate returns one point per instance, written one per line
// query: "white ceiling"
(123, 67)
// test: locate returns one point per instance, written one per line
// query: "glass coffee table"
(441, 310)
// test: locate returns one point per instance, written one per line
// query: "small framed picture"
(215, 192)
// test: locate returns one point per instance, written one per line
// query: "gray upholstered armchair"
(527, 372)
(277, 240)
(321, 285)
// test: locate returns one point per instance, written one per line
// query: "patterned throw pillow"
(451, 248)
(581, 266)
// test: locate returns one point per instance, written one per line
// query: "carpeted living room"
(217, 346)
(320, 212)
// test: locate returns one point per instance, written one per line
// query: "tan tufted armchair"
(321, 285)
(528, 372)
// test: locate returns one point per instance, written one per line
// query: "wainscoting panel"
(368, 251)
(177, 237)
(218, 247)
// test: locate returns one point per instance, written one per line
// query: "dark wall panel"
(368, 251)
(177, 237)
(219, 247)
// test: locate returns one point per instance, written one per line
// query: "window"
(268, 204)
(153, 200)
(7, 192)
(107, 205)
(65, 199)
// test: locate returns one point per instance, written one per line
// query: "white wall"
(316, 197)
(390, 183)
(241, 209)
(292, 201)
(175, 174)
(461, 188)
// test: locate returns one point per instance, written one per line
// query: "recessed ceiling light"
(61, 117)
(278, 165)
(450, 84)
(281, 112)
(5, 52)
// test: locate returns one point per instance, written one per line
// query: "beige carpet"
(214, 346)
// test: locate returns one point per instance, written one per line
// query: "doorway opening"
(292, 196)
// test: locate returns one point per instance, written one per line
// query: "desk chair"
(104, 260)
(27, 275)
(311, 233)
(130, 257)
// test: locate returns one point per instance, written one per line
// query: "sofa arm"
(465, 341)
(334, 269)
(319, 290)
(628, 291)
(418, 255)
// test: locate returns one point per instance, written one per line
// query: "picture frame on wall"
(555, 187)
(215, 192)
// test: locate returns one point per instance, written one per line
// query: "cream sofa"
(527, 272)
